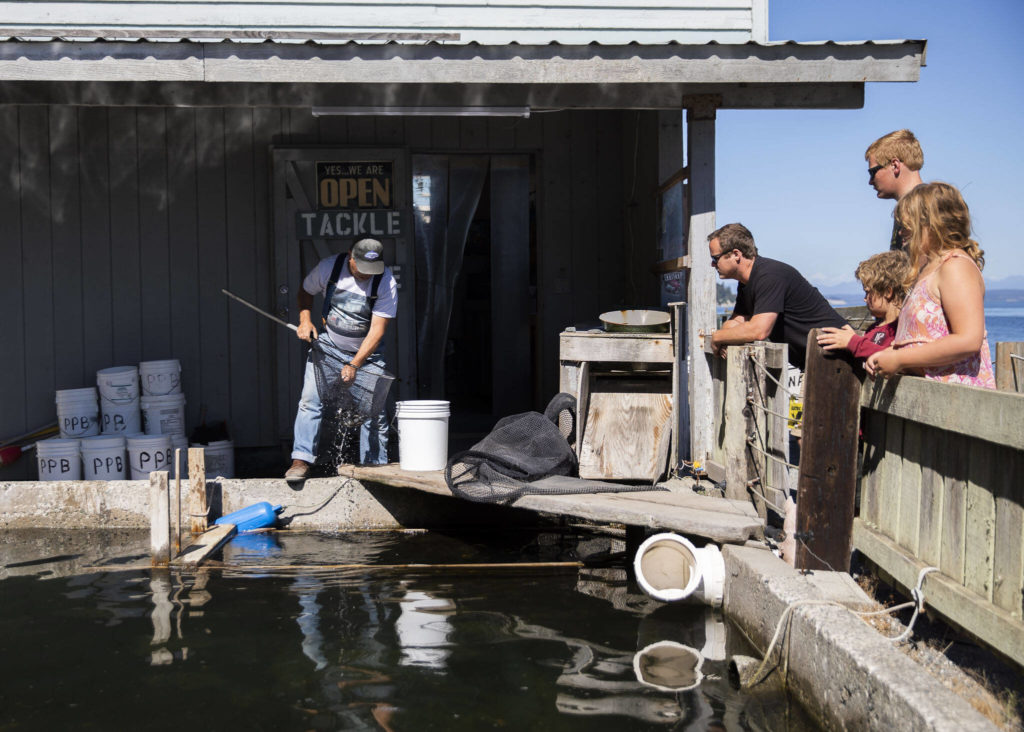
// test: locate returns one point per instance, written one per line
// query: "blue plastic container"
(257, 516)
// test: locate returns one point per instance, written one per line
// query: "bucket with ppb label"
(78, 412)
(120, 419)
(159, 378)
(104, 458)
(59, 459)
(423, 434)
(147, 453)
(119, 400)
(220, 459)
(164, 415)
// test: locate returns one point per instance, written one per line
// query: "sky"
(798, 179)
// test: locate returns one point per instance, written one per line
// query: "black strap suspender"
(332, 285)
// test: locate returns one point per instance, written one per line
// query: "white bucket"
(220, 459)
(104, 458)
(164, 415)
(58, 459)
(160, 378)
(179, 442)
(147, 453)
(669, 568)
(78, 412)
(120, 419)
(422, 434)
(118, 385)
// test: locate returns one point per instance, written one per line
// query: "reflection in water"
(423, 630)
(360, 649)
(307, 588)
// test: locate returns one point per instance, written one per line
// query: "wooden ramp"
(719, 519)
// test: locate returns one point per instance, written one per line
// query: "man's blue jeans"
(373, 434)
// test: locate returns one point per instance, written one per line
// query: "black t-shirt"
(775, 287)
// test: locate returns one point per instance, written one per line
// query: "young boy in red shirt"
(882, 277)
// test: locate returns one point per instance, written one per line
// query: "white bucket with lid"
(423, 434)
(220, 459)
(147, 453)
(159, 378)
(670, 568)
(78, 412)
(118, 385)
(59, 459)
(104, 458)
(164, 415)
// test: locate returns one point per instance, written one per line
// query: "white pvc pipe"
(670, 568)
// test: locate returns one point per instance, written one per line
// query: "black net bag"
(355, 402)
(520, 449)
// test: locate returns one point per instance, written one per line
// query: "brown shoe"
(298, 471)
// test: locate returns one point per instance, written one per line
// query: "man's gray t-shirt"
(348, 319)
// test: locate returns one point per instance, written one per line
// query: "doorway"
(475, 286)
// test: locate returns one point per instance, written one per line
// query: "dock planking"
(718, 519)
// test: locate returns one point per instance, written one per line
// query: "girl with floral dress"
(941, 330)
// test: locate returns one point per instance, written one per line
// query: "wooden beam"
(676, 264)
(827, 483)
(615, 347)
(198, 503)
(159, 518)
(29, 84)
(676, 178)
(993, 625)
(700, 311)
(205, 545)
(1010, 367)
(996, 416)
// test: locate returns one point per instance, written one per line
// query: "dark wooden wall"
(122, 224)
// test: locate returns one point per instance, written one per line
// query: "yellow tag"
(796, 412)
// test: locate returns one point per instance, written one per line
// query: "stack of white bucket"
(163, 415)
(78, 417)
(128, 401)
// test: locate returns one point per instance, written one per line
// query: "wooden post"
(197, 500)
(159, 518)
(701, 309)
(782, 482)
(738, 424)
(828, 460)
(1010, 370)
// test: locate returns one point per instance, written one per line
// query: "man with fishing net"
(344, 364)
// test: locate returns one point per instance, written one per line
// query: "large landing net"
(519, 451)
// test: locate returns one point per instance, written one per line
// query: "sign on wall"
(353, 199)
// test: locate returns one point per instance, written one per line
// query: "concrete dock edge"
(840, 668)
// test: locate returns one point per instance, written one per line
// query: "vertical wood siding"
(121, 226)
(519, 21)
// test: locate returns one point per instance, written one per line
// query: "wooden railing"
(939, 469)
(942, 485)
(751, 447)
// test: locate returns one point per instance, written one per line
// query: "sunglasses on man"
(716, 257)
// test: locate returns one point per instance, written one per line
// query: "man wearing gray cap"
(360, 299)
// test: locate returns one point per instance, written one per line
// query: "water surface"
(290, 635)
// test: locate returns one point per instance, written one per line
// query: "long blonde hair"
(939, 209)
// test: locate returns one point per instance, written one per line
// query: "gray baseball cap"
(369, 256)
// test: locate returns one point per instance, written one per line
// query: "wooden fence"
(942, 485)
(939, 469)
